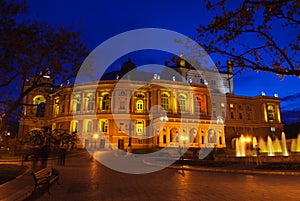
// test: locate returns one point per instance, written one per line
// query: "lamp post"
(95, 136)
(129, 127)
(163, 118)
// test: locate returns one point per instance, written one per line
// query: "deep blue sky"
(101, 20)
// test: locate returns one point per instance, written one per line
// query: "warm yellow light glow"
(278, 114)
(183, 138)
(95, 136)
(265, 113)
(248, 139)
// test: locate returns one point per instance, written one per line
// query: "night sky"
(100, 20)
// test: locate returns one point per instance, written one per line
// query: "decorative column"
(192, 107)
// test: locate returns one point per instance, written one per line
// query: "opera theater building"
(176, 107)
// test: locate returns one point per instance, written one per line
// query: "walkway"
(83, 178)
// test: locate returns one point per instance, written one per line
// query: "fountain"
(298, 143)
(294, 145)
(270, 146)
(240, 146)
(283, 142)
(262, 145)
(237, 148)
(254, 142)
(277, 146)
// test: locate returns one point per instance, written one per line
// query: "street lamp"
(129, 127)
(164, 118)
(95, 136)
(183, 138)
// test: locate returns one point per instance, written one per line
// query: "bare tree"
(33, 50)
(262, 35)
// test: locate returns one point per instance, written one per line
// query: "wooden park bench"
(45, 176)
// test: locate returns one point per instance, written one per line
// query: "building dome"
(127, 66)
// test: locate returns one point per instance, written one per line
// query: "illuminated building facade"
(152, 110)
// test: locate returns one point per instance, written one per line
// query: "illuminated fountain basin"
(269, 148)
(240, 146)
(283, 143)
(295, 145)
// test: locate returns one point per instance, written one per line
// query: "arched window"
(56, 106)
(39, 108)
(212, 138)
(139, 127)
(182, 102)
(74, 126)
(164, 139)
(140, 105)
(174, 135)
(88, 125)
(105, 102)
(103, 125)
(164, 101)
(198, 103)
(271, 112)
(76, 103)
(90, 102)
(193, 136)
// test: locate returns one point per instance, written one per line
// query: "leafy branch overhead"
(259, 35)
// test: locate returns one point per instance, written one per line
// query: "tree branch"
(252, 49)
(255, 66)
(9, 81)
(269, 38)
(266, 3)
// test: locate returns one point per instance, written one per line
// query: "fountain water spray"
(254, 142)
(298, 143)
(270, 146)
(283, 142)
(262, 145)
(277, 146)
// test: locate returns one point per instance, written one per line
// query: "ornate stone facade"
(156, 113)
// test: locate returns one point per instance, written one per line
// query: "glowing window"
(76, 103)
(105, 102)
(39, 108)
(88, 126)
(182, 102)
(140, 105)
(271, 112)
(56, 106)
(139, 127)
(90, 102)
(164, 101)
(103, 125)
(74, 126)
(198, 104)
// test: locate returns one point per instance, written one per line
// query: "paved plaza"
(83, 178)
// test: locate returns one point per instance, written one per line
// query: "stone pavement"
(83, 174)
